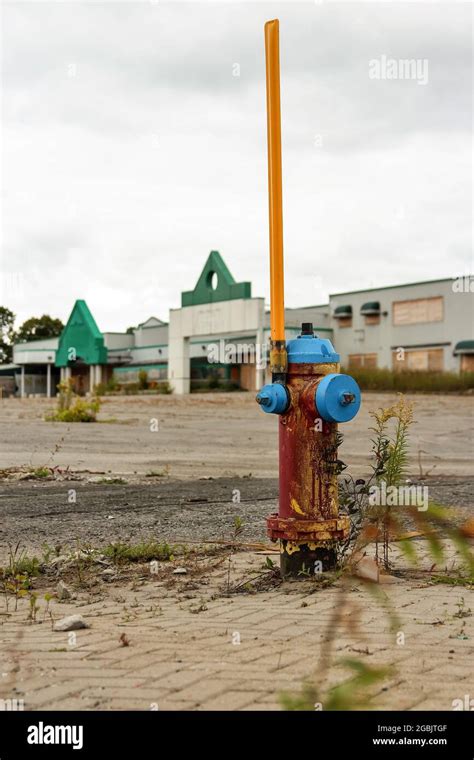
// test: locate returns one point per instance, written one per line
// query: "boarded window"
(467, 363)
(425, 360)
(362, 360)
(247, 377)
(418, 310)
(344, 322)
(372, 319)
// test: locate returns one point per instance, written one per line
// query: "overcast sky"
(131, 149)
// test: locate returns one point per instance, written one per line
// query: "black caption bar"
(126, 734)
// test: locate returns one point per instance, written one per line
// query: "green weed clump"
(74, 408)
(40, 473)
(412, 382)
(20, 563)
(143, 552)
(143, 380)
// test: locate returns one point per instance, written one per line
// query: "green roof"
(81, 339)
(464, 347)
(215, 283)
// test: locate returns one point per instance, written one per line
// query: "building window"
(362, 360)
(467, 363)
(371, 312)
(343, 314)
(465, 349)
(418, 310)
(344, 322)
(372, 319)
(426, 360)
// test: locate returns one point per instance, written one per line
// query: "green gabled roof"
(227, 289)
(81, 339)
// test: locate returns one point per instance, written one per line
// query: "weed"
(143, 380)
(19, 563)
(73, 408)
(351, 694)
(143, 552)
(40, 473)
(237, 530)
(164, 473)
(450, 580)
(34, 608)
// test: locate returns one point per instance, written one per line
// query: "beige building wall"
(222, 319)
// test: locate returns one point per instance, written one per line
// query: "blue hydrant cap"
(306, 349)
(337, 398)
(273, 398)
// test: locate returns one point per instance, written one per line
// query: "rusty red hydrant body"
(316, 398)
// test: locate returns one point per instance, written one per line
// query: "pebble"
(71, 623)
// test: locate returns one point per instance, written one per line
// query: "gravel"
(177, 511)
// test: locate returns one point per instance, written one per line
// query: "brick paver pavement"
(190, 646)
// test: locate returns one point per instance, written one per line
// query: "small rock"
(80, 554)
(62, 591)
(108, 574)
(180, 571)
(58, 560)
(367, 569)
(71, 623)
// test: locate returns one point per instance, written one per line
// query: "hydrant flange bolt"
(347, 398)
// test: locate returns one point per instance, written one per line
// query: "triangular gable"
(152, 322)
(226, 288)
(81, 339)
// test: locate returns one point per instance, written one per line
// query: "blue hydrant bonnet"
(308, 349)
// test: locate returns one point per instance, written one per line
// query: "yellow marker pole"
(278, 357)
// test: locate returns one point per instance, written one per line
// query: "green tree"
(7, 334)
(40, 327)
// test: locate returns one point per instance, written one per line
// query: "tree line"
(33, 328)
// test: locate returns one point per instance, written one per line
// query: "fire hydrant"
(310, 404)
(307, 392)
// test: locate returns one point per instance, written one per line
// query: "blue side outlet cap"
(273, 398)
(338, 398)
(306, 349)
